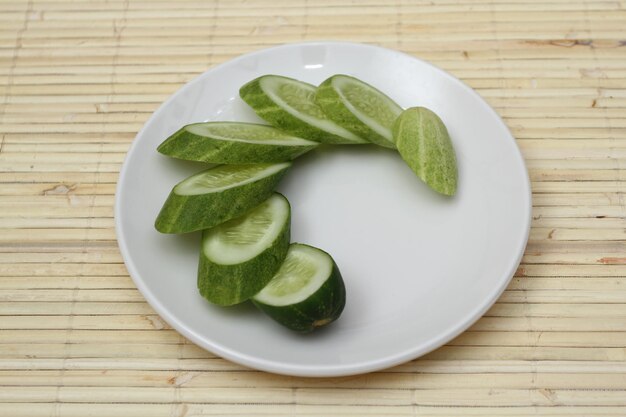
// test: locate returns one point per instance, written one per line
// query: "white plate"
(419, 268)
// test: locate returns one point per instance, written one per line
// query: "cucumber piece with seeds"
(233, 143)
(289, 105)
(307, 292)
(216, 195)
(239, 257)
(359, 107)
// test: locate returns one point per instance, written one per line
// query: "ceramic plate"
(419, 268)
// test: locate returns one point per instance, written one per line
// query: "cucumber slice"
(216, 195)
(239, 257)
(289, 105)
(307, 292)
(359, 107)
(424, 143)
(233, 143)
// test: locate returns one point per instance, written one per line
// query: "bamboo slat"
(78, 79)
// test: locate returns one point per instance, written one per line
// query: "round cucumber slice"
(289, 105)
(216, 195)
(424, 144)
(307, 292)
(233, 143)
(239, 257)
(359, 107)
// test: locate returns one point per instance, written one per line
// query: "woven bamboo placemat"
(78, 79)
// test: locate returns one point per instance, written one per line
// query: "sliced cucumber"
(307, 292)
(216, 195)
(290, 105)
(359, 107)
(424, 143)
(239, 257)
(233, 143)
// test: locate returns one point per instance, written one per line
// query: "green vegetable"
(239, 257)
(246, 251)
(233, 143)
(423, 142)
(359, 107)
(290, 105)
(216, 195)
(307, 292)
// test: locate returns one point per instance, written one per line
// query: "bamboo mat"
(78, 79)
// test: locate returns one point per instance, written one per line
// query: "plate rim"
(317, 370)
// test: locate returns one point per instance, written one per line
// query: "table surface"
(79, 79)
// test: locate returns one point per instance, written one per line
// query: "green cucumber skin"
(326, 305)
(265, 108)
(191, 147)
(424, 144)
(189, 213)
(219, 284)
(332, 105)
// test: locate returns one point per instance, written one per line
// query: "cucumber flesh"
(290, 105)
(307, 292)
(359, 107)
(239, 257)
(243, 238)
(234, 143)
(220, 178)
(246, 132)
(216, 195)
(298, 99)
(301, 274)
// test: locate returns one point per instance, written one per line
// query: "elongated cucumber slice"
(216, 195)
(239, 257)
(359, 107)
(307, 292)
(234, 143)
(289, 105)
(424, 144)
